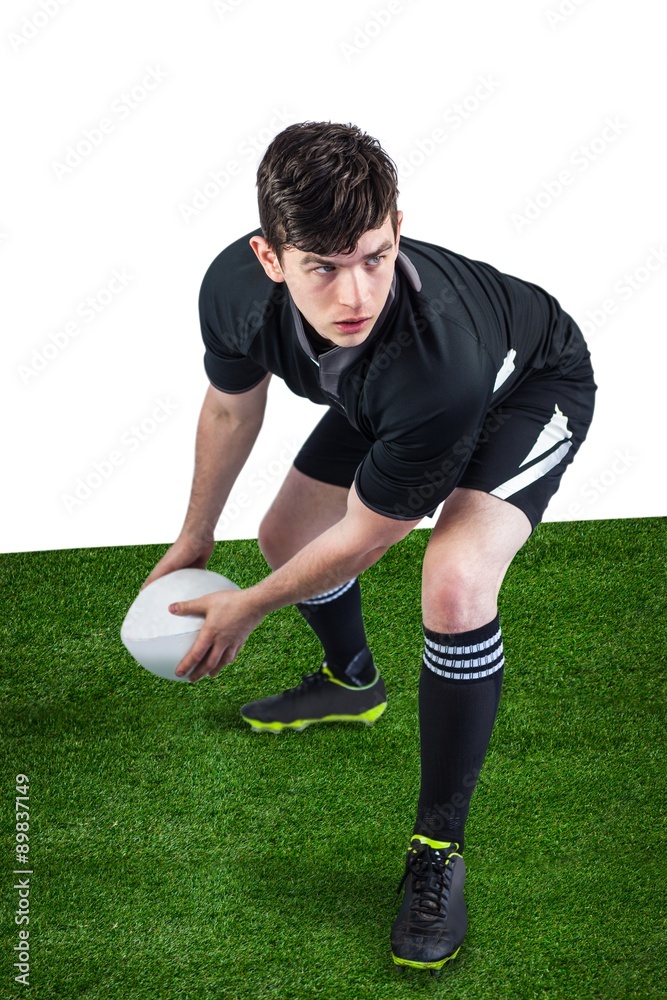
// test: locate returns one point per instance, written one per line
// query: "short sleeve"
(229, 370)
(228, 367)
(403, 490)
(407, 477)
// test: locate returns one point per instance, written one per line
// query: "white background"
(537, 83)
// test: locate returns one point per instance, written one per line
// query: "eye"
(374, 261)
(324, 269)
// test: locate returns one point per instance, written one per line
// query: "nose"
(354, 290)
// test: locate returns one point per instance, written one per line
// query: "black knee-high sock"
(335, 618)
(459, 692)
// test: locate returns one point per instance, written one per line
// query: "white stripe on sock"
(449, 661)
(474, 676)
(476, 648)
(330, 595)
(465, 663)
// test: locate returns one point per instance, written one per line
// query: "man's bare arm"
(226, 432)
(356, 542)
(353, 544)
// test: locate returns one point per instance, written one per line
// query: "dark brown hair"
(321, 186)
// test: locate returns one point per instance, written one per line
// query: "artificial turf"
(176, 854)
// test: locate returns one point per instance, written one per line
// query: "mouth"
(352, 325)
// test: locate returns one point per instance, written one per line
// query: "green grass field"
(176, 854)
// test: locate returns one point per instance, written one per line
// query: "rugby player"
(444, 380)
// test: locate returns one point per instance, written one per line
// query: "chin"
(352, 341)
(351, 338)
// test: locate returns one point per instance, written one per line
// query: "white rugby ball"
(157, 639)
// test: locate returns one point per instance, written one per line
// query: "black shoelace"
(432, 879)
(311, 679)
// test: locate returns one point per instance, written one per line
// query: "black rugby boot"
(432, 920)
(320, 697)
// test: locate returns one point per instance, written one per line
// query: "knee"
(456, 598)
(277, 539)
(269, 540)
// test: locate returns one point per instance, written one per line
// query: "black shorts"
(526, 444)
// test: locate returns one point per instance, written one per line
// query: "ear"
(267, 258)
(399, 220)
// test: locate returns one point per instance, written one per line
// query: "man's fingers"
(195, 656)
(149, 579)
(204, 656)
(160, 570)
(224, 661)
(198, 606)
(218, 641)
(209, 665)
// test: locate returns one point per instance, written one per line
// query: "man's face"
(340, 296)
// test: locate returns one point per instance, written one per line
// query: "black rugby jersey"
(456, 336)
